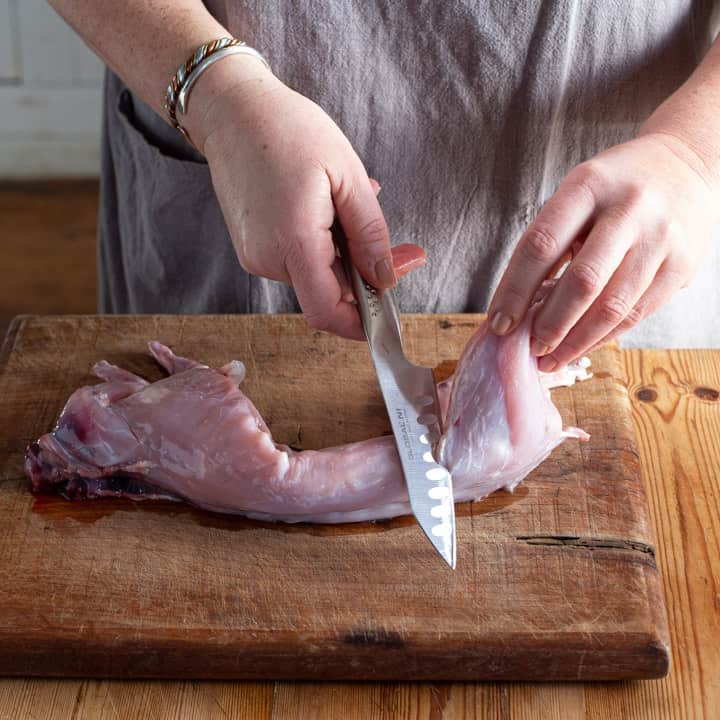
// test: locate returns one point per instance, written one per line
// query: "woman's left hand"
(636, 220)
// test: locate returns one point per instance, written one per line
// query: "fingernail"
(407, 267)
(547, 363)
(538, 348)
(500, 323)
(385, 273)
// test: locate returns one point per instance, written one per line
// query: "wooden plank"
(556, 581)
(184, 701)
(108, 700)
(404, 701)
(676, 410)
(39, 699)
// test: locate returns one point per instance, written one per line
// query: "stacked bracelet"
(178, 91)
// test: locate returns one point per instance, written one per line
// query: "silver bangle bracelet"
(178, 91)
(184, 94)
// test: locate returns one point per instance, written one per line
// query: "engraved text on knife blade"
(401, 415)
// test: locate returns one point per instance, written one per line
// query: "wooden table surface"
(676, 411)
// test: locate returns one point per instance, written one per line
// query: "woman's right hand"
(282, 170)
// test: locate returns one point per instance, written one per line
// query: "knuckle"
(634, 316)
(513, 294)
(309, 249)
(247, 264)
(295, 260)
(302, 271)
(540, 244)
(643, 205)
(296, 228)
(373, 232)
(614, 309)
(547, 333)
(665, 228)
(252, 264)
(318, 320)
(624, 217)
(585, 279)
(587, 178)
(636, 195)
(344, 192)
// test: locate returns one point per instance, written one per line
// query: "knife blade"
(411, 400)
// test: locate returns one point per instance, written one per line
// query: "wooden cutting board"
(555, 581)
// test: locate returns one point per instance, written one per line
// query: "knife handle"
(378, 309)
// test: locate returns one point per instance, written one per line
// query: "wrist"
(703, 161)
(685, 124)
(238, 75)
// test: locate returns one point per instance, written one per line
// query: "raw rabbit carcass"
(195, 436)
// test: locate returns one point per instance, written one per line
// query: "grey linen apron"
(468, 113)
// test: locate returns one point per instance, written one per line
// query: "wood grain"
(111, 700)
(672, 697)
(677, 415)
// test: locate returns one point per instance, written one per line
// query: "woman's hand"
(282, 170)
(635, 220)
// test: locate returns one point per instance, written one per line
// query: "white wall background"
(50, 92)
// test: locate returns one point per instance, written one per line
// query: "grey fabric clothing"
(469, 113)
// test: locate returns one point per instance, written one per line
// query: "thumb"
(366, 230)
(406, 258)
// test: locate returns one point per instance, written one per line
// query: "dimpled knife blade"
(411, 400)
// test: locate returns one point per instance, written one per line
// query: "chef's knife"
(411, 400)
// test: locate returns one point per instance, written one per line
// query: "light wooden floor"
(47, 248)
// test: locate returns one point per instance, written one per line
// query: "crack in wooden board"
(588, 542)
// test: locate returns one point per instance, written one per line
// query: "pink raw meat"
(194, 435)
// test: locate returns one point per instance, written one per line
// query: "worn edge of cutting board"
(369, 653)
